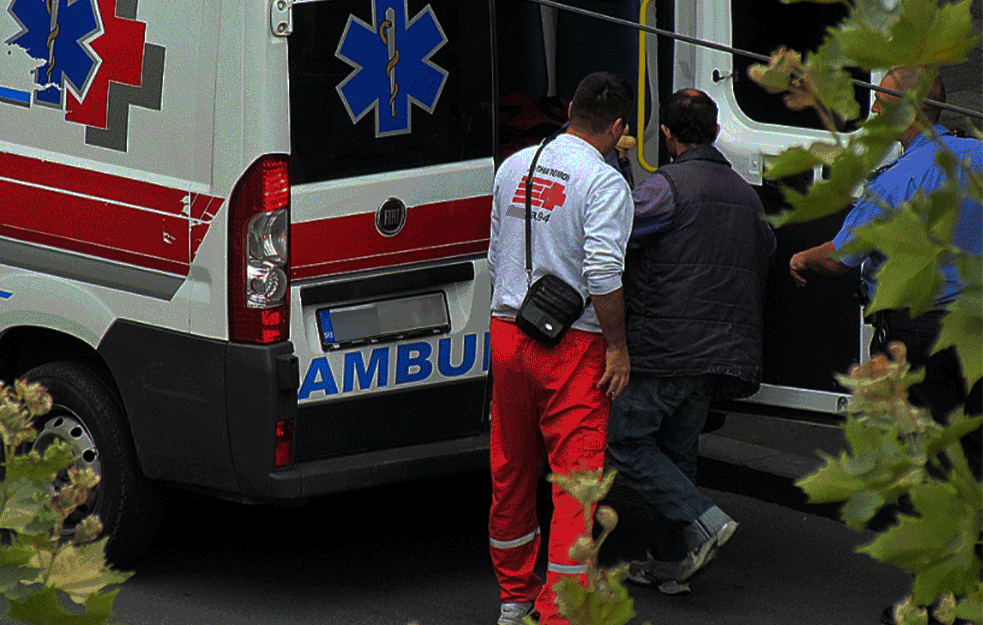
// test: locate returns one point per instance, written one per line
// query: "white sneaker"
(514, 613)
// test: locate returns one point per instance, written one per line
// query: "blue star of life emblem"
(59, 33)
(392, 66)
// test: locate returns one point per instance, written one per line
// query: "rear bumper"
(203, 414)
(375, 468)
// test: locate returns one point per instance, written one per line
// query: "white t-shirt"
(581, 219)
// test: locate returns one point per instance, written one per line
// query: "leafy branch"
(917, 238)
(40, 573)
(895, 449)
(605, 600)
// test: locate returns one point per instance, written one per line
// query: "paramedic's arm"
(818, 260)
(607, 224)
(496, 226)
(610, 309)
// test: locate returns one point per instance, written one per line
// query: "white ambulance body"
(243, 243)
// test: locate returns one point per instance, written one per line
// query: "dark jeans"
(944, 388)
(653, 436)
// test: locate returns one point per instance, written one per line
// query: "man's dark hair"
(691, 116)
(907, 79)
(600, 100)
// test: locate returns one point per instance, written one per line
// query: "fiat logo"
(391, 217)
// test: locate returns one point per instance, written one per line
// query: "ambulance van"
(242, 242)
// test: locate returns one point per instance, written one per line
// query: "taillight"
(284, 444)
(259, 248)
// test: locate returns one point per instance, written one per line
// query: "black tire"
(87, 413)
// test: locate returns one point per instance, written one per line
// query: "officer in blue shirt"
(943, 388)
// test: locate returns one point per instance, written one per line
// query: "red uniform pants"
(546, 406)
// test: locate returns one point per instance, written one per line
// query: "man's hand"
(616, 369)
(625, 143)
(818, 260)
(796, 265)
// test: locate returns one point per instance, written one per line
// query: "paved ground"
(418, 551)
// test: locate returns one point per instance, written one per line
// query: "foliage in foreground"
(894, 450)
(894, 447)
(604, 601)
(44, 578)
(917, 238)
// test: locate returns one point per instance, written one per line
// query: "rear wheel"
(87, 415)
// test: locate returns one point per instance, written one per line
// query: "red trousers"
(546, 407)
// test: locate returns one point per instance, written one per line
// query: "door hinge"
(281, 17)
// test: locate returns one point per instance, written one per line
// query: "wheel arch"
(23, 348)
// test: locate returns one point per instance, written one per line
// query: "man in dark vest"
(694, 285)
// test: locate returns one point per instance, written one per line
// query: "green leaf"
(42, 470)
(862, 507)
(922, 34)
(937, 547)
(43, 608)
(830, 483)
(24, 500)
(100, 604)
(608, 605)
(944, 203)
(15, 565)
(782, 69)
(849, 167)
(970, 607)
(963, 328)
(797, 160)
(952, 433)
(911, 275)
(80, 570)
(833, 84)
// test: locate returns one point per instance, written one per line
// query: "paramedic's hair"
(691, 116)
(907, 79)
(600, 100)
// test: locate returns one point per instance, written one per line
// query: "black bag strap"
(532, 169)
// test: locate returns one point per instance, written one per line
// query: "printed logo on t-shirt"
(546, 194)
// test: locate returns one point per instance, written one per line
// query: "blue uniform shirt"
(897, 182)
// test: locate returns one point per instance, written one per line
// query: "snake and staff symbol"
(387, 32)
(55, 29)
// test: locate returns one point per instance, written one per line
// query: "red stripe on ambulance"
(350, 243)
(111, 217)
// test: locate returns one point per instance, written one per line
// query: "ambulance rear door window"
(762, 26)
(384, 85)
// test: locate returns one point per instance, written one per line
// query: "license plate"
(387, 320)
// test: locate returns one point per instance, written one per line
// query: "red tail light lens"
(259, 252)
(284, 445)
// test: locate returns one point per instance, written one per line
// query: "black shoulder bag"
(551, 305)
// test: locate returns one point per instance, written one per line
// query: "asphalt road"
(418, 551)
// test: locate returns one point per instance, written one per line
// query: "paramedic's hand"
(616, 369)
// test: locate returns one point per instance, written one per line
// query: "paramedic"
(695, 278)
(943, 388)
(551, 404)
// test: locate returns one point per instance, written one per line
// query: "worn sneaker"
(721, 538)
(640, 574)
(513, 613)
